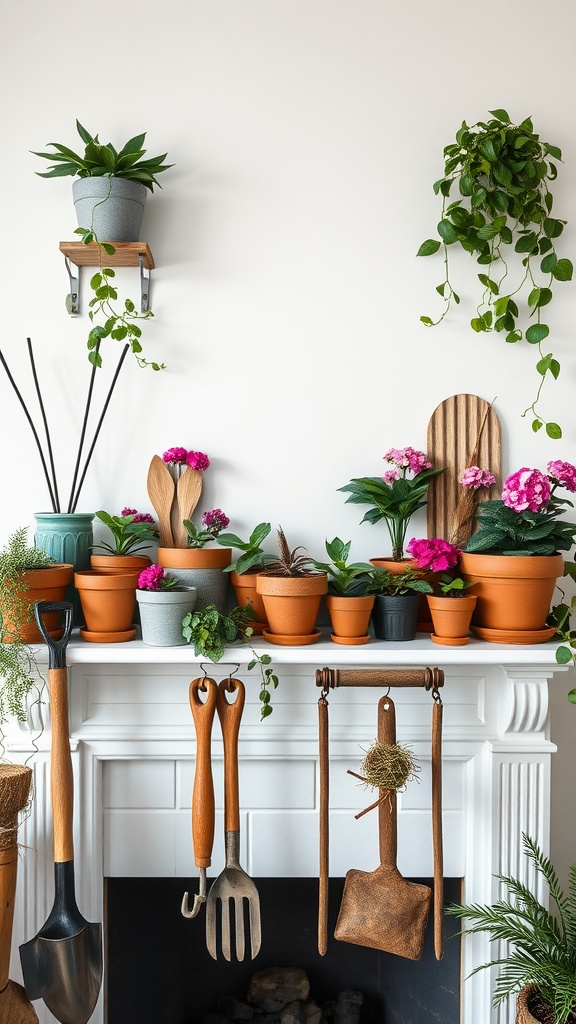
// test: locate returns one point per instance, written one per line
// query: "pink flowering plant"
(131, 531)
(525, 520)
(395, 496)
(437, 555)
(213, 522)
(155, 577)
(179, 459)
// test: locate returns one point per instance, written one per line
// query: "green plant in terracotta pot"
(397, 600)
(515, 555)
(450, 605)
(132, 532)
(211, 631)
(244, 570)
(394, 497)
(539, 962)
(292, 589)
(349, 601)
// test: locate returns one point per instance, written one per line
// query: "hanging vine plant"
(502, 172)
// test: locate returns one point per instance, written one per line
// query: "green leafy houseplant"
(504, 206)
(253, 556)
(105, 161)
(561, 617)
(131, 531)
(344, 579)
(542, 950)
(211, 631)
(214, 522)
(397, 584)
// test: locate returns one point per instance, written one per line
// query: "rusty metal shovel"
(63, 964)
(380, 908)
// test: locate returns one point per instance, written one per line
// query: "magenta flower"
(408, 458)
(564, 473)
(474, 478)
(435, 554)
(139, 517)
(215, 521)
(175, 456)
(526, 489)
(391, 475)
(197, 460)
(151, 578)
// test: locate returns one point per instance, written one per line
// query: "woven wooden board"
(452, 436)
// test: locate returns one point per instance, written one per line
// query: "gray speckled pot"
(211, 585)
(118, 206)
(161, 614)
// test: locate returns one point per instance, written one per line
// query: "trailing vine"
(502, 172)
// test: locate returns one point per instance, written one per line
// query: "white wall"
(306, 136)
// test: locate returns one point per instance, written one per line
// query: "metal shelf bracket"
(73, 297)
(144, 285)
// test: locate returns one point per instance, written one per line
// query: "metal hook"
(198, 900)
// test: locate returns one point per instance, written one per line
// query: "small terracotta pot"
(247, 593)
(393, 564)
(131, 564)
(350, 616)
(451, 617)
(108, 600)
(195, 558)
(513, 591)
(41, 585)
(292, 603)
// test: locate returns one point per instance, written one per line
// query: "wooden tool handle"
(334, 677)
(8, 868)
(387, 810)
(230, 716)
(203, 813)
(324, 767)
(61, 776)
(437, 711)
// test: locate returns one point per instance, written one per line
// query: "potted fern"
(540, 960)
(291, 589)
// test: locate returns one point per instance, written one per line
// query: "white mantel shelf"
(133, 750)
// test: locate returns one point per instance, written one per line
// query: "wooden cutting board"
(453, 433)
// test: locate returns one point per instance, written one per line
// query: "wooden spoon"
(161, 489)
(188, 491)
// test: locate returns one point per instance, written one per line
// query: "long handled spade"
(63, 964)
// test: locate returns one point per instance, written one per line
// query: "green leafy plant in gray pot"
(539, 961)
(502, 215)
(395, 612)
(111, 186)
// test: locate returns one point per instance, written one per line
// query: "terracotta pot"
(350, 616)
(392, 564)
(41, 585)
(451, 617)
(247, 593)
(108, 600)
(513, 591)
(202, 568)
(292, 603)
(125, 564)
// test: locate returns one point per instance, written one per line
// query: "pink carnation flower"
(175, 456)
(564, 473)
(215, 521)
(408, 458)
(526, 489)
(139, 517)
(151, 578)
(391, 475)
(474, 478)
(435, 554)
(197, 460)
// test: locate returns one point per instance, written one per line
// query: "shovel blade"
(382, 910)
(66, 973)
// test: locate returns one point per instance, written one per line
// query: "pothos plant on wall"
(502, 172)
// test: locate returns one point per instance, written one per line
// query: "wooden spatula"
(188, 491)
(161, 491)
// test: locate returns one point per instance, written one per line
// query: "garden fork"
(233, 886)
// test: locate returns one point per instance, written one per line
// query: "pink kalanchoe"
(391, 475)
(175, 456)
(526, 489)
(139, 517)
(408, 458)
(151, 578)
(197, 460)
(435, 554)
(564, 473)
(215, 521)
(474, 478)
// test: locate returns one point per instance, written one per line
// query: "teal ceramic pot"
(67, 537)
(161, 614)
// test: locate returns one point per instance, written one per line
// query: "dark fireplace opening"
(158, 970)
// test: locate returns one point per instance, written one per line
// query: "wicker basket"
(530, 1009)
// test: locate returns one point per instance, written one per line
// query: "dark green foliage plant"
(542, 942)
(130, 534)
(385, 582)
(503, 530)
(503, 210)
(211, 632)
(344, 579)
(253, 556)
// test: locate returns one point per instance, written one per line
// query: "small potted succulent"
(163, 604)
(450, 605)
(394, 497)
(395, 612)
(292, 589)
(132, 532)
(244, 570)
(348, 601)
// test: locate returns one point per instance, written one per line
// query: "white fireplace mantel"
(133, 745)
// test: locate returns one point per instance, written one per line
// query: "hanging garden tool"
(203, 812)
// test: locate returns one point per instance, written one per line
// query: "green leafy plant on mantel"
(502, 173)
(98, 161)
(561, 617)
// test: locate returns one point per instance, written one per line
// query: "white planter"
(161, 614)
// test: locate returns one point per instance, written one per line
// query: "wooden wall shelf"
(126, 254)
